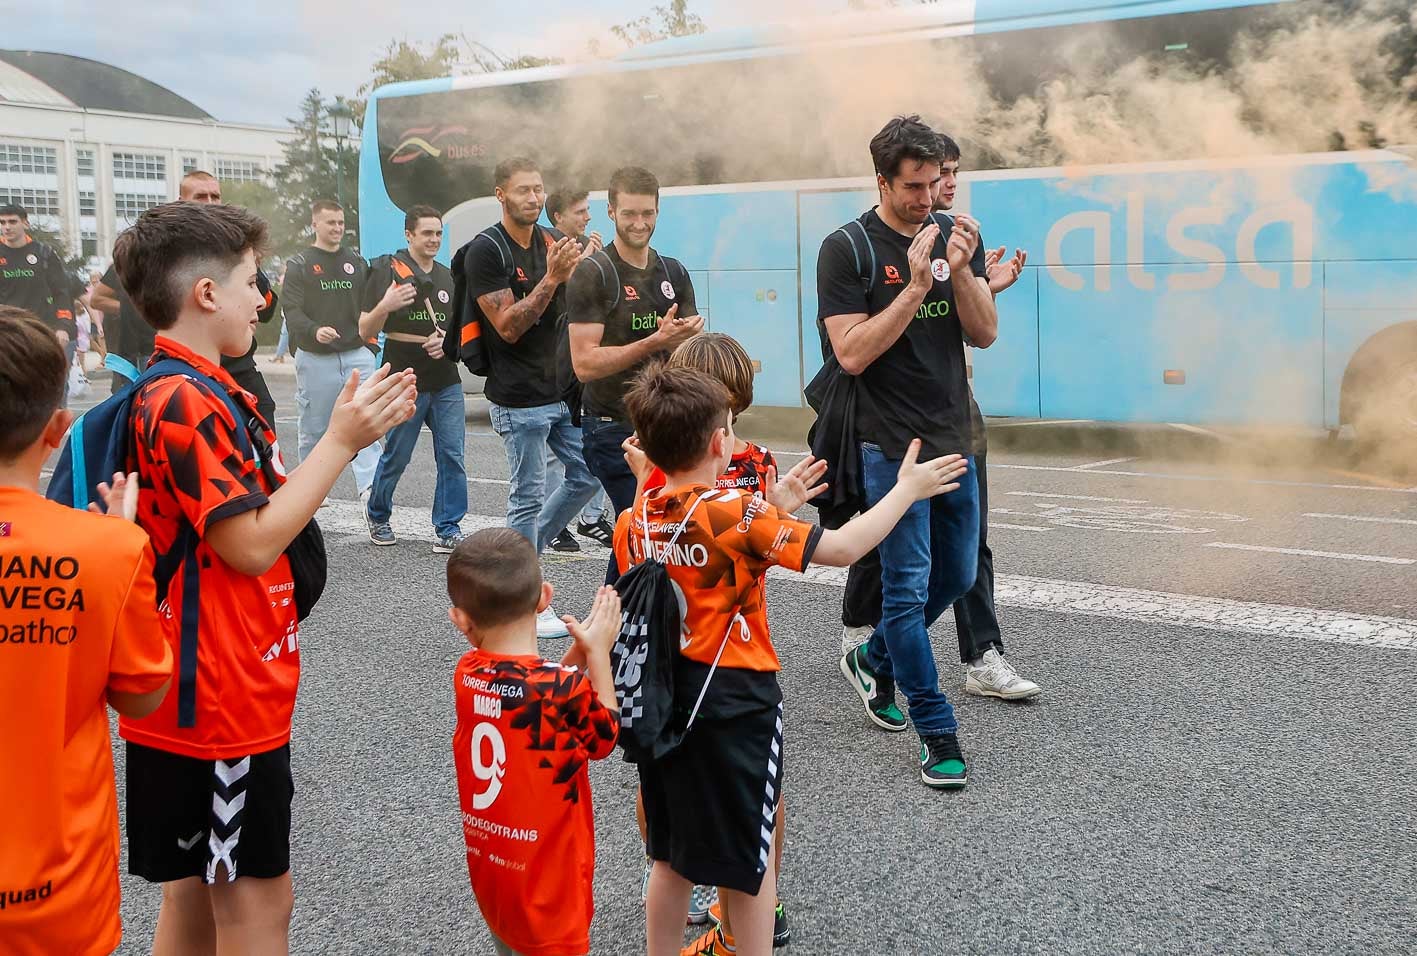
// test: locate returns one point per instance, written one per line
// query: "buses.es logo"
(435, 141)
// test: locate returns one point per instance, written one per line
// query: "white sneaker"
(854, 637)
(993, 676)
(364, 506)
(549, 625)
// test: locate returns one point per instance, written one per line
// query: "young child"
(209, 782)
(752, 470)
(79, 631)
(710, 805)
(527, 729)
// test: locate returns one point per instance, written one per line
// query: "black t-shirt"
(436, 286)
(918, 387)
(127, 334)
(324, 288)
(629, 302)
(520, 374)
(32, 277)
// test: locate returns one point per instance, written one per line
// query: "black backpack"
(645, 653)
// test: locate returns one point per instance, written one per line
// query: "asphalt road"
(1221, 760)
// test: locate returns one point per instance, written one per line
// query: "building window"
(189, 163)
(88, 204)
(239, 171)
(28, 159)
(84, 162)
(88, 242)
(139, 166)
(129, 206)
(37, 202)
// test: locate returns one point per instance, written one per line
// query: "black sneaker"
(876, 693)
(781, 932)
(602, 532)
(565, 541)
(942, 762)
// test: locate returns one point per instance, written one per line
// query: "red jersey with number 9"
(526, 732)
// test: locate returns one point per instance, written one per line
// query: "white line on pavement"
(1103, 464)
(1044, 494)
(1304, 552)
(1041, 594)
(1170, 477)
(1016, 527)
(1041, 421)
(1318, 514)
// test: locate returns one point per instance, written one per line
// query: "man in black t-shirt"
(32, 278)
(626, 305)
(321, 298)
(516, 271)
(899, 289)
(988, 672)
(407, 297)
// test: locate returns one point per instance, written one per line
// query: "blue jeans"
(594, 508)
(445, 414)
(928, 562)
(606, 461)
(318, 382)
(283, 346)
(526, 433)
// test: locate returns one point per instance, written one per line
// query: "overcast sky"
(254, 60)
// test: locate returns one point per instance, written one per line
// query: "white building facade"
(88, 170)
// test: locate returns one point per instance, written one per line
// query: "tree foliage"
(673, 19)
(308, 171)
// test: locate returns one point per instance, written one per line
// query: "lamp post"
(340, 115)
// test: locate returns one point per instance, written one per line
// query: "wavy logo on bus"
(425, 141)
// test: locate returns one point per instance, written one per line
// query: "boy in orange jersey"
(209, 781)
(527, 729)
(711, 803)
(78, 628)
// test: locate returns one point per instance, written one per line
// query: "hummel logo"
(188, 844)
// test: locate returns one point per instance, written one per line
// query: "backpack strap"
(868, 274)
(615, 282)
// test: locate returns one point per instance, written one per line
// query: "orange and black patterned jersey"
(747, 470)
(526, 731)
(194, 472)
(718, 563)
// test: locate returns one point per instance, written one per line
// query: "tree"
(403, 61)
(307, 171)
(263, 200)
(662, 22)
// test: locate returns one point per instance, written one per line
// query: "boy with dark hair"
(408, 298)
(710, 804)
(209, 783)
(527, 729)
(59, 869)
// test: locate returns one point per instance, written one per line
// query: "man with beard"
(900, 329)
(515, 273)
(626, 304)
(988, 673)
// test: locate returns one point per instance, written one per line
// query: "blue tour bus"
(1265, 289)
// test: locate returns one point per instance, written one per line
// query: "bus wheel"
(1385, 402)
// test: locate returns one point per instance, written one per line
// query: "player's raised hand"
(562, 259)
(918, 256)
(801, 484)
(926, 479)
(119, 498)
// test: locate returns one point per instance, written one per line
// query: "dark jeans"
(976, 621)
(601, 439)
(444, 413)
(928, 562)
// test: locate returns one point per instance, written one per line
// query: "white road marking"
(1016, 527)
(1103, 464)
(1043, 494)
(1304, 552)
(1317, 514)
(1040, 594)
(1041, 421)
(1170, 477)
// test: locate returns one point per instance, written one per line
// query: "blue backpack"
(100, 444)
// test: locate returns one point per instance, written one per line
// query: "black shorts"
(208, 818)
(711, 805)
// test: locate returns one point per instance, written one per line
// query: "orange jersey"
(78, 616)
(718, 564)
(746, 471)
(526, 730)
(238, 684)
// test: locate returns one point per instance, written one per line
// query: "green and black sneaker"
(877, 693)
(942, 762)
